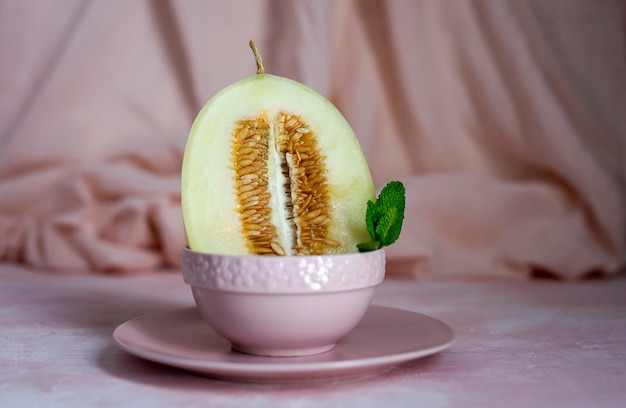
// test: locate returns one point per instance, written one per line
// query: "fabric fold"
(503, 119)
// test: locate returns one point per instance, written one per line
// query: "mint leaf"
(384, 217)
(385, 227)
(392, 202)
(372, 218)
(368, 246)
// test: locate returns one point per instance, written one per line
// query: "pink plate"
(385, 337)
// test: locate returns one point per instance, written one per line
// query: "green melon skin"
(208, 198)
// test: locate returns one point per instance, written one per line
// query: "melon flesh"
(216, 202)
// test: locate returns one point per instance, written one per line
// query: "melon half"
(272, 168)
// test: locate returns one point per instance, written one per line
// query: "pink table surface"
(519, 344)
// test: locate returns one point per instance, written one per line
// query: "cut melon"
(272, 168)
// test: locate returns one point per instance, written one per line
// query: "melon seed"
(304, 189)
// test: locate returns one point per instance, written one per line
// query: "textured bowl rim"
(283, 274)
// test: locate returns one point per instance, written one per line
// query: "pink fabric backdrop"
(505, 120)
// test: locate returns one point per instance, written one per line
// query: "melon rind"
(209, 204)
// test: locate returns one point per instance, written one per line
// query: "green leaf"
(371, 218)
(385, 227)
(368, 246)
(384, 218)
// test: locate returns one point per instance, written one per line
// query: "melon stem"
(257, 57)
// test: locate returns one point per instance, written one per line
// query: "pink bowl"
(283, 306)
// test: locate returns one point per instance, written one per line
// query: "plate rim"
(230, 370)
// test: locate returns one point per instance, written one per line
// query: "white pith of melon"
(209, 203)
